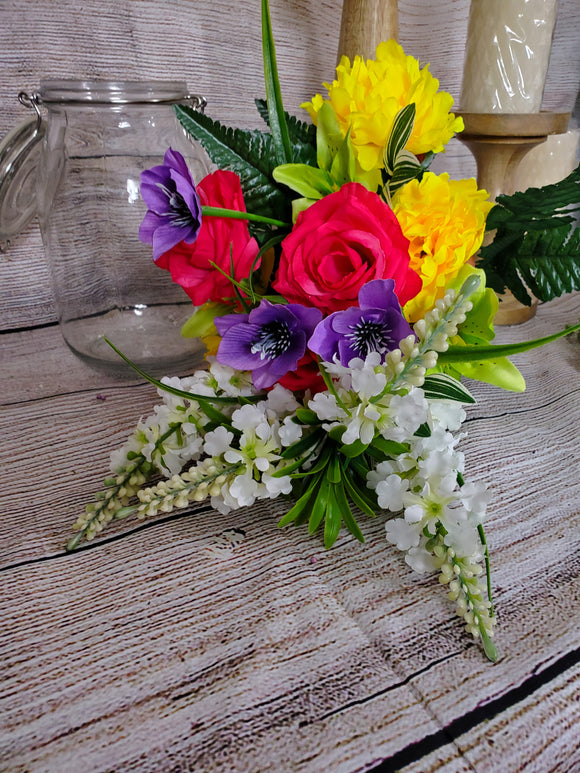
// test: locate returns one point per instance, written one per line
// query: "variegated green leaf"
(399, 136)
(440, 386)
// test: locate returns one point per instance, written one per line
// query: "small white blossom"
(244, 489)
(325, 407)
(276, 486)
(449, 414)
(420, 559)
(475, 498)
(409, 411)
(390, 493)
(252, 419)
(289, 432)
(401, 534)
(217, 442)
(281, 401)
(233, 383)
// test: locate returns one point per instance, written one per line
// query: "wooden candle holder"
(499, 142)
(366, 23)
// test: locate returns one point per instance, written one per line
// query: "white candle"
(507, 54)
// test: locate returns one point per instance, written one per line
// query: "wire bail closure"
(32, 103)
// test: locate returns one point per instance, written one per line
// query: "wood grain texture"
(210, 45)
(203, 642)
(208, 642)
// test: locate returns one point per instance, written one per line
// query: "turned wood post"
(364, 24)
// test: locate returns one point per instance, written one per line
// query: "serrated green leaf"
(536, 248)
(301, 133)
(250, 154)
(439, 386)
(549, 262)
(531, 208)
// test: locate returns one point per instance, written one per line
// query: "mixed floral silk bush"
(330, 275)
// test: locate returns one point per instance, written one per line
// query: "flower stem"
(481, 533)
(235, 214)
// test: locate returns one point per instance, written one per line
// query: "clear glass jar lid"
(105, 92)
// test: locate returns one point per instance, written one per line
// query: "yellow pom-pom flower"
(366, 96)
(444, 221)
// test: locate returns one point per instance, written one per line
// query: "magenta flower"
(269, 340)
(376, 325)
(174, 209)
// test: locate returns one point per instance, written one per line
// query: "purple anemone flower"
(269, 340)
(376, 325)
(174, 209)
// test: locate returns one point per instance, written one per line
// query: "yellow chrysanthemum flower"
(444, 221)
(366, 96)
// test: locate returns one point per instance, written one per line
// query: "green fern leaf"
(250, 154)
(536, 248)
(536, 208)
(549, 262)
(300, 131)
(302, 135)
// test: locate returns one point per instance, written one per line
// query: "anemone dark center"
(179, 213)
(369, 336)
(273, 340)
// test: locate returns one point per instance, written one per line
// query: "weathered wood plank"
(405, 620)
(245, 663)
(551, 710)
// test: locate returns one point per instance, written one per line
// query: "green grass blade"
(278, 125)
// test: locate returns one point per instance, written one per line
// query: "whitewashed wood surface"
(205, 642)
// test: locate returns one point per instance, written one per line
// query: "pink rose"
(220, 240)
(339, 244)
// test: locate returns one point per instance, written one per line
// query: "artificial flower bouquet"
(329, 271)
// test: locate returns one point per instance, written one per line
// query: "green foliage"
(277, 119)
(536, 247)
(400, 165)
(302, 134)
(201, 322)
(325, 492)
(335, 165)
(477, 330)
(439, 386)
(250, 154)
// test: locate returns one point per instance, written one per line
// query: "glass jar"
(99, 137)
